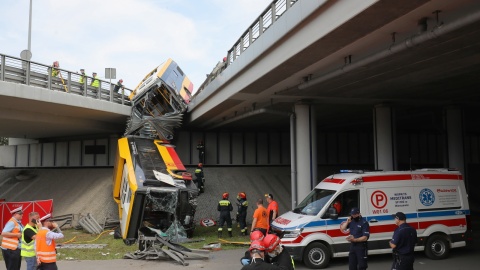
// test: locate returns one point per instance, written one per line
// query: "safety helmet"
(256, 235)
(200, 165)
(225, 195)
(338, 206)
(241, 195)
(271, 241)
(258, 245)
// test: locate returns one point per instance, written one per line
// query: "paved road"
(460, 259)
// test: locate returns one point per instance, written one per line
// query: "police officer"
(403, 243)
(359, 234)
(242, 205)
(225, 207)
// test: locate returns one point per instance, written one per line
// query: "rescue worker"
(201, 151)
(257, 252)
(28, 241)
(254, 236)
(45, 243)
(359, 234)
(81, 81)
(225, 207)
(403, 243)
(55, 70)
(200, 178)
(276, 254)
(12, 233)
(95, 82)
(338, 206)
(242, 205)
(260, 218)
(272, 209)
(118, 86)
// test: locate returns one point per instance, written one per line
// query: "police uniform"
(225, 207)
(405, 238)
(242, 205)
(358, 251)
(11, 245)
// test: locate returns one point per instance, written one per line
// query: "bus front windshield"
(314, 202)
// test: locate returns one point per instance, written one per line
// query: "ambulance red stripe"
(333, 180)
(400, 177)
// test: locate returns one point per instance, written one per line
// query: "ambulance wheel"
(316, 256)
(437, 247)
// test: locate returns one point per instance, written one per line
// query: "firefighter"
(201, 151)
(242, 205)
(254, 236)
(200, 178)
(276, 254)
(225, 207)
(257, 252)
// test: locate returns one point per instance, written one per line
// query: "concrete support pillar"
(305, 150)
(454, 126)
(384, 138)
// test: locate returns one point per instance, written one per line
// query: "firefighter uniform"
(242, 205)
(200, 178)
(225, 207)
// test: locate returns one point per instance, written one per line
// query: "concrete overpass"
(370, 84)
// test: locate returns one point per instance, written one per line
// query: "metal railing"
(267, 18)
(16, 70)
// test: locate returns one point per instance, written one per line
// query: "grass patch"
(115, 248)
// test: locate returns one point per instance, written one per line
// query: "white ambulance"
(434, 201)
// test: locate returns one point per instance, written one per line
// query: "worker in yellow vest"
(55, 70)
(45, 243)
(28, 241)
(12, 232)
(95, 82)
(82, 78)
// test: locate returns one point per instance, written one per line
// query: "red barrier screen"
(42, 207)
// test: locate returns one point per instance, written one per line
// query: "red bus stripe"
(175, 158)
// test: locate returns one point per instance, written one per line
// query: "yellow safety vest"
(96, 82)
(54, 72)
(28, 249)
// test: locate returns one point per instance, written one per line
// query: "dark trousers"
(12, 258)
(403, 262)
(225, 217)
(357, 258)
(242, 220)
(47, 266)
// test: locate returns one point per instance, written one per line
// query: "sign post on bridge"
(110, 73)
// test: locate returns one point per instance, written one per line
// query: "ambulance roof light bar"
(351, 171)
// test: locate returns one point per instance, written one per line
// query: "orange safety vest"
(11, 242)
(45, 253)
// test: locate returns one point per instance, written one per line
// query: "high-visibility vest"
(28, 249)
(95, 82)
(45, 253)
(82, 79)
(11, 242)
(54, 72)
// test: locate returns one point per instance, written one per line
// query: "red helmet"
(338, 206)
(200, 165)
(271, 241)
(242, 195)
(256, 235)
(258, 245)
(225, 195)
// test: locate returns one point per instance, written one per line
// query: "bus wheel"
(316, 255)
(437, 247)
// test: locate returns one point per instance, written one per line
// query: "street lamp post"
(30, 28)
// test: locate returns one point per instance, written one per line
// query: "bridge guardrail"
(267, 18)
(16, 70)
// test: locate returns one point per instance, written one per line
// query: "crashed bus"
(153, 190)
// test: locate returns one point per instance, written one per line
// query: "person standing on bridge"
(55, 67)
(118, 86)
(225, 207)
(403, 243)
(95, 82)
(28, 241)
(81, 81)
(11, 244)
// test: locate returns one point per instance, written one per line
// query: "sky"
(133, 36)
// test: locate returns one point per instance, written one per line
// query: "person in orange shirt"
(272, 209)
(260, 218)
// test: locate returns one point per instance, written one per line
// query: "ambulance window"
(314, 202)
(345, 202)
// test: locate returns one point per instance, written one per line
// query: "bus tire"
(437, 247)
(316, 256)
